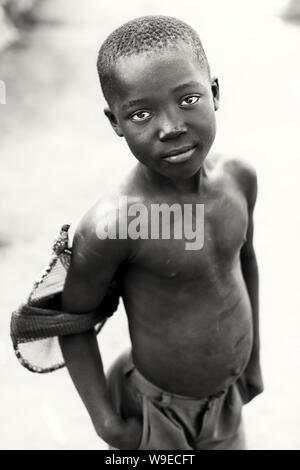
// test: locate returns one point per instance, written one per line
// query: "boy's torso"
(188, 310)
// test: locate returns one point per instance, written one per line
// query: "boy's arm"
(252, 377)
(93, 265)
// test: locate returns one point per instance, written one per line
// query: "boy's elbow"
(248, 257)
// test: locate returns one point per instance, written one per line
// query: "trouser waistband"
(151, 390)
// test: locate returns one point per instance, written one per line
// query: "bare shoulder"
(242, 172)
(94, 237)
(97, 234)
(97, 253)
(94, 262)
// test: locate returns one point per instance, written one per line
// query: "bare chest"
(202, 239)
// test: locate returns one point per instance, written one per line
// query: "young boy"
(192, 313)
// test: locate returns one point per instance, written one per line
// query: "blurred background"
(58, 154)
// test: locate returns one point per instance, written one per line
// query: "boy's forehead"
(153, 69)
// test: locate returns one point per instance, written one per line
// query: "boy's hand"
(254, 376)
(123, 434)
(251, 383)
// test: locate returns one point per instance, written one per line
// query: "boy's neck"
(176, 185)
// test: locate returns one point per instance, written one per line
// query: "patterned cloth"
(39, 321)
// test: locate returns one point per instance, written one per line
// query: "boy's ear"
(216, 92)
(114, 122)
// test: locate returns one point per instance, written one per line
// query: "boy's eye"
(190, 100)
(140, 116)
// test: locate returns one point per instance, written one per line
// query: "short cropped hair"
(146, 34)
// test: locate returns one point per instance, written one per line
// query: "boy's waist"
(164, 397)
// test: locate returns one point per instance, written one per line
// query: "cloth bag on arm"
(39, 321)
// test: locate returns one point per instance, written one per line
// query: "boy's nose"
(171, 128)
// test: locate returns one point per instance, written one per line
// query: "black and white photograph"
(149, 238)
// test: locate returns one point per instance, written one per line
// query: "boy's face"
(164, 105)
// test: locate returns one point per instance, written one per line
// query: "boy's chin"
(179, 172)
(184, 171)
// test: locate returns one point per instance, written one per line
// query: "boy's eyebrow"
(131, 103)
(186, 85)
(138, 102)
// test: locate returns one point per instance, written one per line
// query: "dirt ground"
(58, 155)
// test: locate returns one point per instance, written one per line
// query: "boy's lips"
(180, 155)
